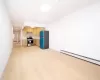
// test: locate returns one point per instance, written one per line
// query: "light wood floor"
(32, 63)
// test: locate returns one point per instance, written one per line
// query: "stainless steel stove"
(29, 41)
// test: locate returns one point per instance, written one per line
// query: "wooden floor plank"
(32, 63)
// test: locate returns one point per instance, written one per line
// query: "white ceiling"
(22, 11)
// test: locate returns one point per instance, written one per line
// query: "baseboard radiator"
(90, 60)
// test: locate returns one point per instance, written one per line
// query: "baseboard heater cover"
(90, 60)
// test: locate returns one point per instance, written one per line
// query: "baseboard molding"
(87, 59)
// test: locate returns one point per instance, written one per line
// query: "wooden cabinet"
(36, 31)
(27, 29)
(34, 42)
(38, 42)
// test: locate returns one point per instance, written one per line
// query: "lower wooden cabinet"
(37, 42)
(34, 41)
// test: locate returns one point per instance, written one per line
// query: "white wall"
(33, 24)
(78, 32)
(5, 38)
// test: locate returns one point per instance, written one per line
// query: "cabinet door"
(35, 31)
(29, 29)
(37, 42)
(39, 29)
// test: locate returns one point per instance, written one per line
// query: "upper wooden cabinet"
(36, 30)
(27, 29)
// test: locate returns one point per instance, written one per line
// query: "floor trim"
(87, 59)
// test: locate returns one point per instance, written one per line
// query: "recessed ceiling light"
(45, 8)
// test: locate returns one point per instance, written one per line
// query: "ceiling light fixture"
(45, 8)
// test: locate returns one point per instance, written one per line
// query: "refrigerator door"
(41, 34)
(42, 43)
(42, 40)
